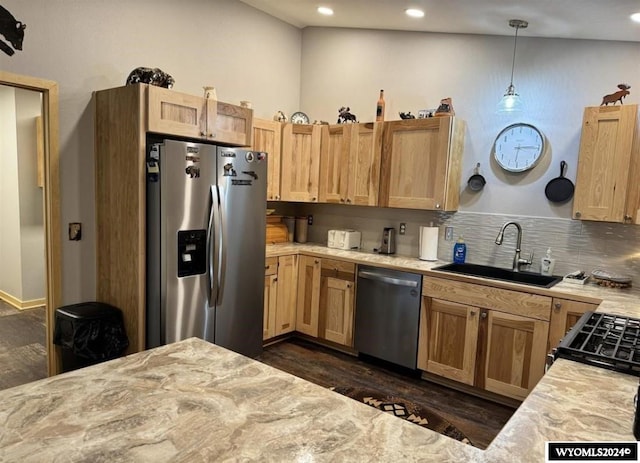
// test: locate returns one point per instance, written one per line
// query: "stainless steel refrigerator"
(206, 219)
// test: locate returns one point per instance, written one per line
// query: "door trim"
(51, 190)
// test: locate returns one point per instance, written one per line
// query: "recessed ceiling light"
(635, 17)
(325, 10)
(414, 12)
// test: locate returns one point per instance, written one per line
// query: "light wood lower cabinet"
(337, 298)
(308, 305)
(487, 337)
(449, 339)
(326, 298)
(564, 314)
(280, 291)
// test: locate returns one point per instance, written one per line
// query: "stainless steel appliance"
(604, 340)
(206, 219)
(388, 245)
(388, 314)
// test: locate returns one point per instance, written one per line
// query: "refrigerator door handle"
(222, 248)
(211, 248)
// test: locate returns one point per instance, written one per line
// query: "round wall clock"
(299, 118)
(518, 147)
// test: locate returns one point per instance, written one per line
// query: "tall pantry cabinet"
(123, 117)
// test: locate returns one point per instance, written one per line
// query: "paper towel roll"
(428, 243)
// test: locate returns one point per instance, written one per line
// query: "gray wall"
(92, 45)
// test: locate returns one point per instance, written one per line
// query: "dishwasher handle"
(386, 279)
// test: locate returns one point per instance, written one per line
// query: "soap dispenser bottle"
(547, 263)
(459, 251)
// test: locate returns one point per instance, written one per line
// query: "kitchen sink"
(503, 274)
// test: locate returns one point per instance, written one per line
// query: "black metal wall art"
(12, 31)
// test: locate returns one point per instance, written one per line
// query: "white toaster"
(344, 239)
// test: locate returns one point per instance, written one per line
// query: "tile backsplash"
(575, 245)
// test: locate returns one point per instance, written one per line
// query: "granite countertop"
(193, 401)
(624, 302)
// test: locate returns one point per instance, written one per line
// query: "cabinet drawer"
(271, 266)
(503, 300)
(338, 269)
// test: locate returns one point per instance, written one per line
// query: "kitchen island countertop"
(192, 401)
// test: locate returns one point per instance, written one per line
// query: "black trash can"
(89, 333)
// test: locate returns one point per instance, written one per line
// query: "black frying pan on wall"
(559, 189)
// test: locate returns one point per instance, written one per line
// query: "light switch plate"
(448, 233)
(75, 231)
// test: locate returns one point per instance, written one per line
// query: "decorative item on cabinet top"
(345, 116)
(617, 96)
(279, 116)
(155, 76)
(445, 108)
(299, 118)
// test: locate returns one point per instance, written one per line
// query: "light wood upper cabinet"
(421, 163)
(300, 163)
(564, 314)
(174, 113)
(607, 187)
(335, 165)
(350, 165)
(267, 137)
(308, 300)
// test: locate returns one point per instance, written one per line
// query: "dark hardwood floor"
(23, 356)
(478, 419)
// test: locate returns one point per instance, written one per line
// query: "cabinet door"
(365, 154)
(415, 163)
(604, 181)
(174, 113)
(308, 295)
(565, 314)
(267, 137)
(300, 167)
(515, 354)
(335, 167)
(270, 298)
(337, 294)
(448, 339)
(229, 124)
(286, 294)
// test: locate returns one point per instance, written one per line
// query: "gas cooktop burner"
(605, 340)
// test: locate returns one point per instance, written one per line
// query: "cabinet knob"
(578, 214)
(472, 313)
(348, 201)
(557, 306)
(341, 200)
(627, 218)
(316, 261)
(483, 315)
(212, 135)
(278, 197)
(349, 285)
(437, 205)
(202, 134)
(313, 199)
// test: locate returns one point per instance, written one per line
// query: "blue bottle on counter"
(459, 251)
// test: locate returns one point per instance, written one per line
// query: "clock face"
(299, 118)
(518, 147)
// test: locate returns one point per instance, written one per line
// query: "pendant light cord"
(513, 61)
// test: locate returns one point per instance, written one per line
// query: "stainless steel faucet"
(517, 261)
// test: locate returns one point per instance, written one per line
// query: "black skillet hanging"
(559, 189)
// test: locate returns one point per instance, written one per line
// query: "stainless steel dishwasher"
(388, 314)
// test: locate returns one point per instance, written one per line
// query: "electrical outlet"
(310, 219)
(75, 231)
(403, 228)
(448, 233)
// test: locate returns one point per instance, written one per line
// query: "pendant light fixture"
(511, 101)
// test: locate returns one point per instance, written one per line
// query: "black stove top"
(605, 340)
